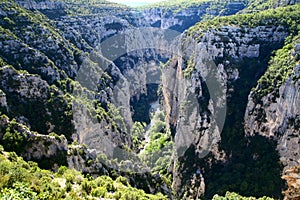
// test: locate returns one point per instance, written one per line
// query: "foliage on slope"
(289, 17)
(25, 180)
(259, 5)
(30, 42)
(252, 5)
(209, 8)
(252, 166)
(87, 7)
(235, 196)
(280, 68)
(187, 3)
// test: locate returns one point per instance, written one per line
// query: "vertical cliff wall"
(273, 110)
(240, 54)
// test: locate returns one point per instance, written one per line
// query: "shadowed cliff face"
(239, 59)
(275, 115)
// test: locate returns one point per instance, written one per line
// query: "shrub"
(235, 196)
(99, 192)
(14, 140)
(122, 180)
(19, 191)
(87, 186)
(61, 170)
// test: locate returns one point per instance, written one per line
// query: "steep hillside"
(236, 53)
(182, 14)
(273, 107)
(258, 5)
(38, 89)
(25, 180)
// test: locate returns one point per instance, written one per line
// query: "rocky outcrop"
(212, 62)
(239, 42)
(180, 21)
(293, 182)
(92, 29)
(49, 151)
(34, 102)
(180, 18)
(83, 159)
(41, 5)
(3, 102)
(277, 117)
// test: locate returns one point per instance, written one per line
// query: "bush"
(87, 186)
(61, 170)
(122, 180)
(25, 180)
(104, 181)
(14, 140)
(19, 191)
(99, 192)
(235, 196)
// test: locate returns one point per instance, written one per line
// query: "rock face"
(49, 151)
(32, 95)
(293, 181)
(181, 18)
(276, 116)
(41, 5)
(273, 111)
(206, 83)
(3, 102)
(162, 18)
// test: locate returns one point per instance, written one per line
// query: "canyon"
(79, 79)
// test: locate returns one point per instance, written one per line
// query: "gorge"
(182, 99)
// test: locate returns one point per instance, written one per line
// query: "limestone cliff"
(181, 17)
(276, 114)
(231, 56)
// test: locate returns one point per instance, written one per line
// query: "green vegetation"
(92, 7)
(190, 66)
(157, 153)
(177, 3)
(25, 180)
(253, 168)
(288, 17)
(137, 134)
(280, 68)
(116, 119)
(234, 196)
(187, 3)
(259, 5)
(13, 140)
